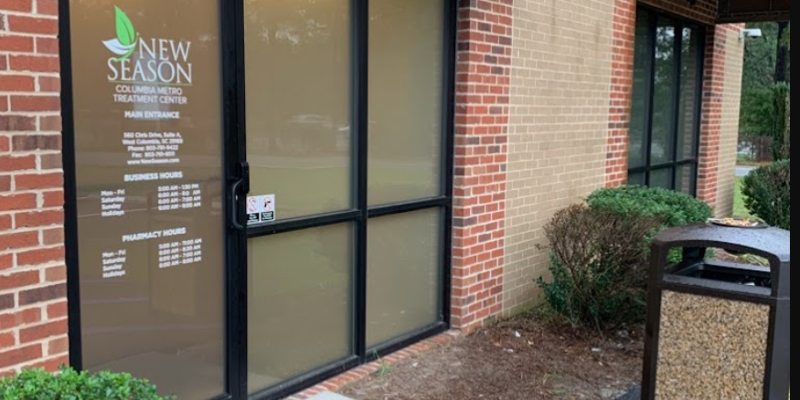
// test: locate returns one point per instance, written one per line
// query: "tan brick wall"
(559, 123)
(729, 124)
(33, 312)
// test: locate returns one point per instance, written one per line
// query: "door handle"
(240, 187)
(234, 216)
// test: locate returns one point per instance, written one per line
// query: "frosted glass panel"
(405, 99)
(403, 274)
(150, 191)
(299, 303)
(298, 103)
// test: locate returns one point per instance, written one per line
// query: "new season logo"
(152, 60)
(125, 43)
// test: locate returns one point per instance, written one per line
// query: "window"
(347, 126)
(665, 114)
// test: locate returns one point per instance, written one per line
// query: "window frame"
(677, 161)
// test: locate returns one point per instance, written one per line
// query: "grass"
(739, 209)
(747, 161)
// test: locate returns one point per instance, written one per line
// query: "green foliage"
(767, 193)
(760, 57)
(758, 112)
(739, 209)
(669, 207)
(763, 101)
(786, 39)
(780, 102)
(71, 385)
(599, 267)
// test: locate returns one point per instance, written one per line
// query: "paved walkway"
(742, 171)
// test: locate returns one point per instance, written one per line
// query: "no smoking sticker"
(260, 209)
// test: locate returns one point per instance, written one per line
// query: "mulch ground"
(520, 359)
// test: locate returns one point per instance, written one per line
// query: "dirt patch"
(521, 359)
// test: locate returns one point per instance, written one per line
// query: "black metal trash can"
(716, 330)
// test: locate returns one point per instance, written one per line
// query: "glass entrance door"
(260, 193)
(347, 130)
(147, 192)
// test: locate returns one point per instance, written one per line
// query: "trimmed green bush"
(599, 267)
(72, 385)
(671, 208)
(767, 192)
(600, 253)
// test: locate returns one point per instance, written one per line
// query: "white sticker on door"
(268, 208)
(260, 209)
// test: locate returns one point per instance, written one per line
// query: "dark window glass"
(661, 178)
(664, 93)
(685, 181)
(665, 103)
(687, 109)
(636, 179)
(641, 88)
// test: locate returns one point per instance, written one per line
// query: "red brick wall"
(482, 113)
(715, 90)
(621, 92)
(703, 11)
(33, 324)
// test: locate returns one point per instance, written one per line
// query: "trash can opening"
(723, 272)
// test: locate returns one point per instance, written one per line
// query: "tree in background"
(787, 132)
(785, 43)
(766, 87)
(782, 59)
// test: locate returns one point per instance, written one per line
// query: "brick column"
(710, 129)
(33, 324)
(481, 147)
(622, 65)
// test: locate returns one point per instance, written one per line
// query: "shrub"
(767, 194)
(669, 207)
(71, 385)
(599, 266)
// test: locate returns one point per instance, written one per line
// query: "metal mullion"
(360, 110)
(449, 78)
(70, 189)
(297, 224)
(235, 142)
(646, 169)
(410, 206)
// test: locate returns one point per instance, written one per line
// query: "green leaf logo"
(125, 43)
(125, 32)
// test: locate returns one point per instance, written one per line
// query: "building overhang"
(738, 11)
